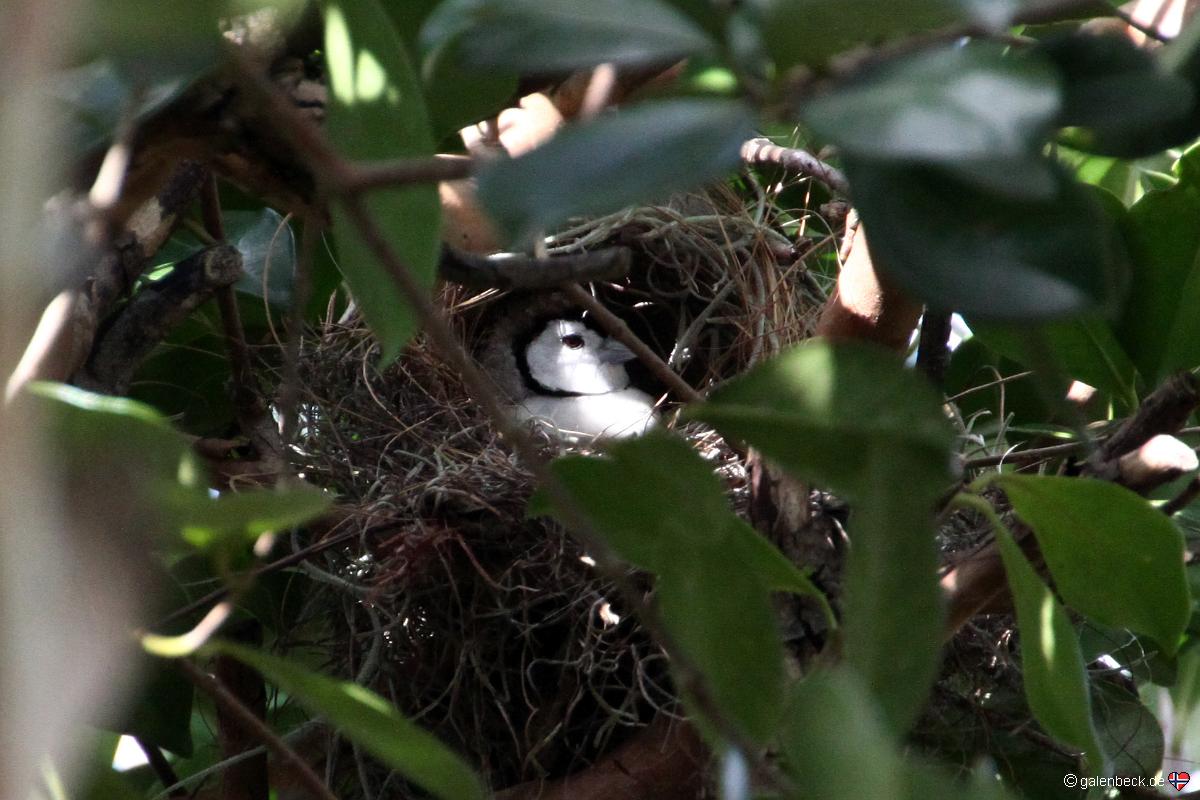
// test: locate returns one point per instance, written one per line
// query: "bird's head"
(565, 357)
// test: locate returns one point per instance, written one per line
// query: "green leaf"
(1128, 731)
(1085, 348)
(720, 616)
(820, 408)
(810, 31)
(832, 729)
(564, 35)
(376, 111)
(634, 156)
(1159, 326)
(238, 517)
(833, 732)
(988, 255)
(1116, 92)
(97, 432)
(946, 105)
(1112, 555)
(854, 419)
(367, 719)
(1054, 672)
(714, 571)
(149, 43)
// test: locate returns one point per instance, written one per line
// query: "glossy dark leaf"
(460, 95)
(984, 254)
(810, 31)
(1128, 731)
(268, 249)
(1113, 556)
(855, 420)
(563, 35)
(92, 99)
(1053, 669)
(634, 156)
(186, 378)
(1126, 104)
(370, 721)
(947, 105)
(377, 111)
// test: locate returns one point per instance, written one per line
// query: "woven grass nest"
(490, 629)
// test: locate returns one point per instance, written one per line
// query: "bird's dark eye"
(573, 341)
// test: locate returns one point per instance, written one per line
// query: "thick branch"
(523, 272)
(764, 151)
(153, 312)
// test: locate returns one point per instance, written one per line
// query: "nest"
(490, 629)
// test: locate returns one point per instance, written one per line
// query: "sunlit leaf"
(1159, 326)
(1085, 348)
(377, 111)
(116, 432)
(243, 516)
(1113, 556)
(1054, 673)
(459, 94)
(832, 726)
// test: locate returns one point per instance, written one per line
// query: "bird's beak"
(613, 352)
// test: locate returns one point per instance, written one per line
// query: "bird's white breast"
(612, 415)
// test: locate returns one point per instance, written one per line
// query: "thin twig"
(1184, 499)
(257, 729)
(402, 172)
(1024, 456)
(289, 392)
(162, 768)
(621, 332)
(245, 397)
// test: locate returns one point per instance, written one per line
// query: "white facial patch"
(568, 356)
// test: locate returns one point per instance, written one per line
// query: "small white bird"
(568, 379)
